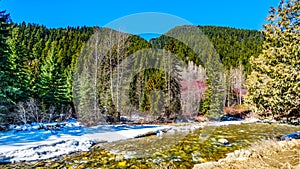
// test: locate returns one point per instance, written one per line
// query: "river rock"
(223, 141)
(159, 133)
(295, 135)
(230, 118)
(3, 128)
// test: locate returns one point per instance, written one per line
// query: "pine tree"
(274, 84)
(32, 66)
(204, 104)
(4, 54)
(18, 79)
(52, 86)
(213, 102)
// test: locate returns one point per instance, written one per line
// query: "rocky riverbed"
(181, 149)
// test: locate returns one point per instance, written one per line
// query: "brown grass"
(238, 110)
(267, 154)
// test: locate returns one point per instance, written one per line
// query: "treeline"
(36, 70)
(234, 46)
(100, 73)
(37, 67)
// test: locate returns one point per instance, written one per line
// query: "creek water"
(177, 149)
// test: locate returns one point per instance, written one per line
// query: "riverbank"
(269, 154)
(45, 141)
(32, 143)
(170, 150)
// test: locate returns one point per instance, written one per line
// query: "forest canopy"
(37, 65)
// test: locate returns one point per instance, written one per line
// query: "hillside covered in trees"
(86, 97)
(38, 63)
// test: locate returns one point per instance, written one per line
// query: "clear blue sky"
(249, 14)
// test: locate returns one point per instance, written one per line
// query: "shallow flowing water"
(179, 149)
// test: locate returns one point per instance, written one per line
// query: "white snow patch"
(55, 146)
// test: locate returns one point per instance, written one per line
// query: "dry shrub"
(268, 154)
(238, 109)
(229, 110)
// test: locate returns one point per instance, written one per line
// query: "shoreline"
(262, 154)
(65, 145)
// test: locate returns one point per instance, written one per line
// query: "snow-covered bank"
(31, 144)
(225, 123)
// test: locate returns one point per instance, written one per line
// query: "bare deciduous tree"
(192, 91)
(29, 112)
(239, 78)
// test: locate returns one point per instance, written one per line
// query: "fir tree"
(274, 84)
(5, 101)
(52, 82)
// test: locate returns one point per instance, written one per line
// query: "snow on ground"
(30, 142)
(44, 141)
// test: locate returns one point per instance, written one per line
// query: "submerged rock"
(295, 135)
